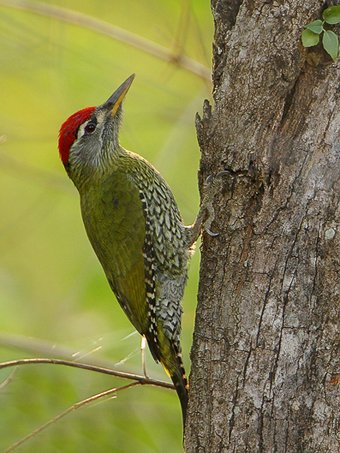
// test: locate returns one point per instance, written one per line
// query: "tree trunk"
(265, 343)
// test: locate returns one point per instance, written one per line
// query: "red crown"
(68, 131)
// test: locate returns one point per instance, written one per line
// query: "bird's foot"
(206, 215)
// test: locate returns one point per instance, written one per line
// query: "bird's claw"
(211, 178)
(206, 214)
(211, 233)
(222, 173)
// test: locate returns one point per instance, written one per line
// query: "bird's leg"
(142, 348)
(206, 214)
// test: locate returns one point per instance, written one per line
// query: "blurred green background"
(51, 286)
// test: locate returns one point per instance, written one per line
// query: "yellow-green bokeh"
(51, 285)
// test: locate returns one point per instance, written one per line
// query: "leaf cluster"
(314, 30)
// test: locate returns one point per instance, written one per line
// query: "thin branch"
(42, 347)
(37, 346)
(117, 33)
(70, 409)
(33, 345)
(85, 366)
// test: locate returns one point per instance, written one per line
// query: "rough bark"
(264, 372)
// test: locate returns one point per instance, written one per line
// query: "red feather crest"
(68, 131)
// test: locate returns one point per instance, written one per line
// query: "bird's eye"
(90, 127)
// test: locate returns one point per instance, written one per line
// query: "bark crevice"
(263, 357)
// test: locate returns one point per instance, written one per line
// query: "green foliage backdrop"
(51, 285)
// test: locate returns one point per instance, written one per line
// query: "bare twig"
(70, 409)
(37, 346)
(107, 29)
(34, 345)
(85, 366)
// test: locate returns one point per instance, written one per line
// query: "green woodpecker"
(135, 228)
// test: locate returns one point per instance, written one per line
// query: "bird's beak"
(116, 99)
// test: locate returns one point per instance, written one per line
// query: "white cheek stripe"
(100, 116)
(81, 130)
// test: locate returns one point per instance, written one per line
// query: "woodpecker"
(135, 228)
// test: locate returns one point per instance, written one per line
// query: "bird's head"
(88, 139)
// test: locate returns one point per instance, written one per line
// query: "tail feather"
(180, 381)
(181, 387)
(169, 354)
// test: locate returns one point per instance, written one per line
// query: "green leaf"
(309, 38)
(330, 43)
(332, 15)
(315, 26)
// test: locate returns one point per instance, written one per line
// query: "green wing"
(115, 225)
